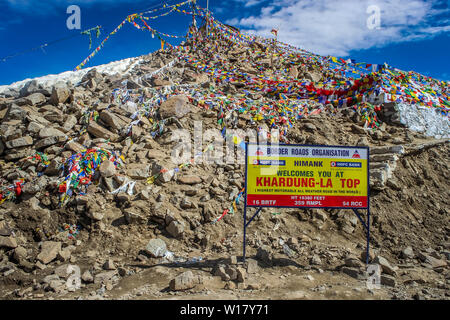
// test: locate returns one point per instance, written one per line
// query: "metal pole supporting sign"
(307, 176)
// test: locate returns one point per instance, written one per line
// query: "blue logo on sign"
(269, 162)
(338, 164)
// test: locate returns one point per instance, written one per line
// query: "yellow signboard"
(307, 176)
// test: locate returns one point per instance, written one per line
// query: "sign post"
(307, 176)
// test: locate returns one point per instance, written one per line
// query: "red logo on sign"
(333, 164)
(356, 155)
(259, 152)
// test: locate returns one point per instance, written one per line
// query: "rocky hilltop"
(90, 194)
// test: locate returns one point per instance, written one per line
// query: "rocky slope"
(87, 180)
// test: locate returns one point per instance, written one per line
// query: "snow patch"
(122, 67)
(425, 120)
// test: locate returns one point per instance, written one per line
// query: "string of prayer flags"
(78, 171)
(130, 19)
(89, 33)
(12, 191)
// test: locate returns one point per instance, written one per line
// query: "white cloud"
(8, 23)
(249, 3)
(217, 10)
(336, 27)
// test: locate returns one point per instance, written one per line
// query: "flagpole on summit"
(193, 26)
(207, 14)
(275, 32)
(194, 22)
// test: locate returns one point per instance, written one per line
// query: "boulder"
(29, 88)
(94, 212)
(388, 280)
(92, 74)
(51, 132)
(74, 146)
(34, 127)
(352, 272)
(231, 272)
(16, 113)
(252, 266)
(315, 260)
(49, 251)
(408, 253)
(104, 276)
(435, 263)
(264, 254)
(87, 277)
(386, 267)
(64, 255)
(64, 271)
(353, 262)
(57, 285)
(50, 278)
(190, 179)
(176, 106)
(46, 142)
(60, 94)
(175, 229)
(112, 120)
(138, 171)
(167, 176)
(99, 132)
(132, 85)
(34, 99)
(8, 242)
(19, 142)
(70, 122)
(320, 214)
(5, 230)
(133, 217)
(107, 169)
(219, 271)
(241, 274)
(53, 167)
(20, 253)
(184, 281)
(156, 247)
(232, 260)
(18, 155)
(109, 265)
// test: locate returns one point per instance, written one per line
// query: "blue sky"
(412, 34)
